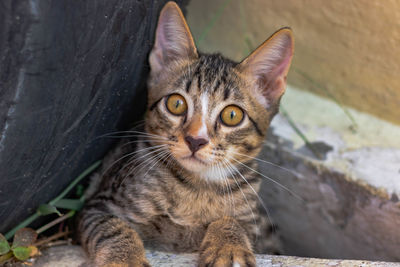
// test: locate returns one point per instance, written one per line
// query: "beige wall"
(348, 48)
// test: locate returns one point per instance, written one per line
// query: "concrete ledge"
(73, 256)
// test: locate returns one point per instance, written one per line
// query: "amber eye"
(232, 115)
(176, 104)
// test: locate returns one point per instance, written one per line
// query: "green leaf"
(23, 224)
(24, 237)
(22, 253)
(70, 204)
(4, 246)
(76, 181)
(36, 215)
(5, 257)
(46, 209)
(80, 190)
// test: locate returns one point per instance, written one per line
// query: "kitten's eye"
(176, 104)
(232, 115)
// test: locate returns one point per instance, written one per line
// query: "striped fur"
(153, 191)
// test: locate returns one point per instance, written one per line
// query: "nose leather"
(195, 144)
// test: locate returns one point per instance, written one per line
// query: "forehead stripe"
(189, 79)
(217, 84)
(199, 82)
(188, 84)
(204, 106)
(226, 92)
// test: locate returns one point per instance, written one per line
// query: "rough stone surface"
(348, 49)
(70, 71)
(73, 256)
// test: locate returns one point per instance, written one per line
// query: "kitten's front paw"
(227, 256)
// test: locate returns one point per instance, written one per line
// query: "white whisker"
(131, 134)
(228, 165)
(128, 155)
(162, 154)
(143, 164)
(268, 162)
(255, 192)
(146, 140)
(158, 149)
(270, 179)
(227, 200)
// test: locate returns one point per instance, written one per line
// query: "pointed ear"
(173, 39)
(268, 65)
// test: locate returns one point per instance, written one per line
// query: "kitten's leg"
(110, 241)
(226, 244)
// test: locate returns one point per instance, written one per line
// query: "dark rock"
(70, 71)
(324, 212)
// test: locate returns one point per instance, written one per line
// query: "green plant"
(23, 245)
(58, 202)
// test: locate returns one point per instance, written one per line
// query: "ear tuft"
(173, 39)
(268, 66)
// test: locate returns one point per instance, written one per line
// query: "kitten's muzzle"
(195, 144)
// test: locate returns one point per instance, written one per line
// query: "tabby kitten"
(188, 182)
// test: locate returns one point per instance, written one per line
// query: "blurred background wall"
(339, 126)
(346, 50)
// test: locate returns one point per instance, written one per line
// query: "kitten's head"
(210, 109)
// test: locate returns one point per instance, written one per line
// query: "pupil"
(232, 114)
(177, 104)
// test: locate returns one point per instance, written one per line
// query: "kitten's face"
(210, 110)
(206, 112)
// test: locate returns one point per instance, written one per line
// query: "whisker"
(291, 151)
(147, 140)
(230, 196)
(168, 162)
(272, 180)
(134, 160)
(158, 149)
(268, 162)
(227, 200)
(244, 196)
(143, 164)
(258, 196)
(162, 154)
(130, 154)
(138, 124)
(146, 133)
(131, 134)
(233, 200)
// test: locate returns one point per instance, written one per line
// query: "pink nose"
(195, 144)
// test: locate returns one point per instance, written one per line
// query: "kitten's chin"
(203, 169)
(194, 164)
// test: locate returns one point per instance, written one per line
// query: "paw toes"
(250, 260)
(227, 257)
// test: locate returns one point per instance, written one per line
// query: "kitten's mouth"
(194, 158)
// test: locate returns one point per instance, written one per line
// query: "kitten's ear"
(173, 39)
(268, 65)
